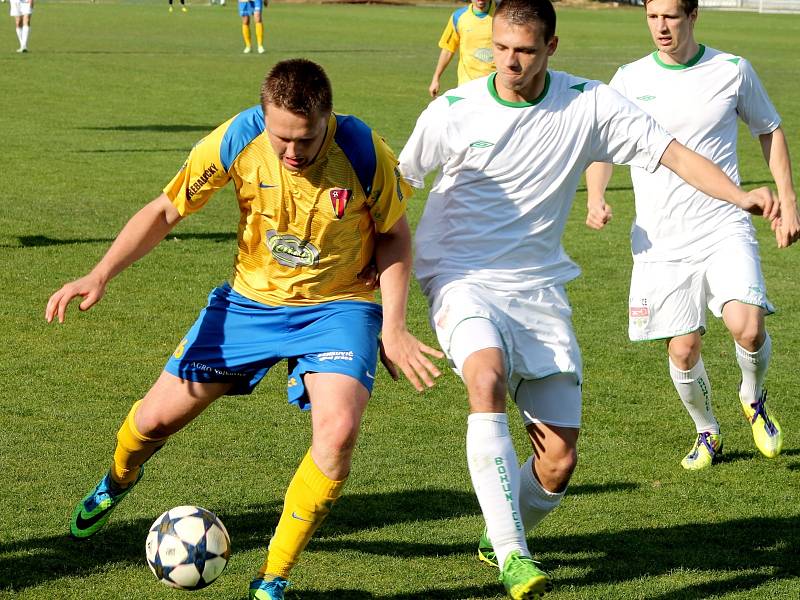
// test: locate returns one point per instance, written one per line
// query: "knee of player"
(685, 352)
(555, 470)
(750, 336)
(487, 390)
(337, 435)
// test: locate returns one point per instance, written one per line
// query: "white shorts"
(533, 329)
(20, 8)
(670, 298)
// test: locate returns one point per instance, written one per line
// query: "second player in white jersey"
(692, 252)
(699, 103)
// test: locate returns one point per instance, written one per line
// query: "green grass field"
(99, 116)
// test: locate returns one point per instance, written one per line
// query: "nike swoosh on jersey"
(265, 186)
(294, 516)
(370, 375)
(82, 523)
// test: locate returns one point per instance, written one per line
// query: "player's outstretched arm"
(141, 234)
(445, 56)
(776, 153)
(401, 349)
(598, 213)
(701, 173)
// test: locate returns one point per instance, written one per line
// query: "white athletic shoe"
(246, 50)
(261, 50)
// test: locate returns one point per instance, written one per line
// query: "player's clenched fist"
(598, 214)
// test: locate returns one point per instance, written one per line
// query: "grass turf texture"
(99, 116)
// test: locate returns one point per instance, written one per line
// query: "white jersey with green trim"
(699, 104)
(509, 172)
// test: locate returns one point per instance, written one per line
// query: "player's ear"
(552, 45)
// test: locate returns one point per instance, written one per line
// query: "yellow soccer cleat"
(767, 433)
(705, 452)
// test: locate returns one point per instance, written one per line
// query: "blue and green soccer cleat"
(486, 553)
(93, 511)
(767, 433)
(523, 579)
(705, 452)
(268, 587)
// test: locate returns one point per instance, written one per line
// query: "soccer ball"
(187, 547)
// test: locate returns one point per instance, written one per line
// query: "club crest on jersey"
(339, 199)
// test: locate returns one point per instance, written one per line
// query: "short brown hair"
(525, 12)
(688, 6)
(298, 85)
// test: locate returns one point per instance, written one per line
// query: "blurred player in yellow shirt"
(321, 203)
(468, 32)
(252, 8)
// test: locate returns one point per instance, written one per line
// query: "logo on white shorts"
(639, 315)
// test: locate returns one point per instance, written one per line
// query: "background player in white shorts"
(690, 250)
(512, 148)
(21, 10)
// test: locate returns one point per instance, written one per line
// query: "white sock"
(495, 476)
(535, 502)
(694, 388)
(26, 29)
(19, 36)
(754, 370)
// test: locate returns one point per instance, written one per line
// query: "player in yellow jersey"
(321, 201)
(252, 8)
(183, 6)
(468, 32)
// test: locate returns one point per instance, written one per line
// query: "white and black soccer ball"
(187, 547)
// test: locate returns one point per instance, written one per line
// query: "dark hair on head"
(526, 12)
(688, 6)
(298, 85)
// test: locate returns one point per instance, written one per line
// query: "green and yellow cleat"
(767, 433)
(705, 452)
(486, 553)
(523, 579)
(268, 587)
(93, 511)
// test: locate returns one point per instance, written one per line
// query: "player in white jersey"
(22, 10)
(690, 250)
(512, 148)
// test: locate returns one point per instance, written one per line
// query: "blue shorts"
(248, 7)
(237, 340)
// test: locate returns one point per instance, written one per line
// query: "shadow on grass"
(728, 457)
(35, 241)
(767, 545)
(24, 563)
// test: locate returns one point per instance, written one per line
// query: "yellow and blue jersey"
(303, 236)
(470, 33)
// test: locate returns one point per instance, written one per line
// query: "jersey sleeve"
(626, 135)
(390, 190)
(753, 103)
(618, 82)
(425, 150)
(450, 38)
(201, 175)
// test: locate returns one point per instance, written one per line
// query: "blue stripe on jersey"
(354, 137)
(246, 126)
(457, 15)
